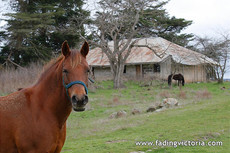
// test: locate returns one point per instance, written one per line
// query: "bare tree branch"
(218, 50)
(115, 27)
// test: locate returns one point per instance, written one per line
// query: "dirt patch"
(203, 94)
(182, 95)
(165, 94)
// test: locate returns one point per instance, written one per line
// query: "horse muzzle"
(78, 104)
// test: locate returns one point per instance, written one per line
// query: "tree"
(37, 29)
(155, 21)
(117, 21)
(120, 21)
(218, 50)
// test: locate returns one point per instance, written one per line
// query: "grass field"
(203, 115)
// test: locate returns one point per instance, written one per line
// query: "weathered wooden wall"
(192, 73)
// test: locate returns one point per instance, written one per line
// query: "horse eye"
(65, 71)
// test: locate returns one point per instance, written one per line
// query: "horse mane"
(47, 67)
(182, 79)
(52, 62)
(75, 60)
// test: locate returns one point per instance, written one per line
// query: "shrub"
(203, 94)
(12, 79)
(182, 94)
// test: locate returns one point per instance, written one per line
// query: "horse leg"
(61, 139)
(180, 85)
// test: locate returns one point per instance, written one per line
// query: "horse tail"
(169, 80)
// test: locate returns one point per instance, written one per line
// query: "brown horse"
(179, 77)
(33, 120)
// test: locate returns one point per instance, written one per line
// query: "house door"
(138, 71)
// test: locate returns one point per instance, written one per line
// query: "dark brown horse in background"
(33, 120)
(179, 77)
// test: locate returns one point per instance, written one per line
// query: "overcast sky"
(209, 17)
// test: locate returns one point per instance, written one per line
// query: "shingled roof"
(144, 55)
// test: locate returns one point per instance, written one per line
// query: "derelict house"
(143, 61)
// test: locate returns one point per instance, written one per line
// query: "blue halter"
(72, 83)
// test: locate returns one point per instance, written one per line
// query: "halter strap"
(73, 83)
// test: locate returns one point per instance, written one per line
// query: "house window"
(151, 68)
(124, 69)
(147, 69)
(157, 68)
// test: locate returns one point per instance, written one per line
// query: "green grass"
(203, 115)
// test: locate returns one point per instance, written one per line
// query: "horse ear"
(85, 49)
(65, 49)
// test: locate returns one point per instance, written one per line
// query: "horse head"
(75, 75)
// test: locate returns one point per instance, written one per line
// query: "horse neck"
(50, 94)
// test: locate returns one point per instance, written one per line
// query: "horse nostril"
(86, 99)
(74, 99)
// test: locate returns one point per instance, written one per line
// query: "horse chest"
(39, 139)
(31, 137)
(41, 135)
